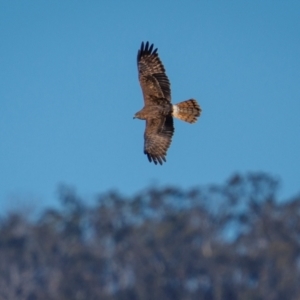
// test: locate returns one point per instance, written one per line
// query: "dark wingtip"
(151, 48)
(146, 48)
(148, 156)
(155, 159)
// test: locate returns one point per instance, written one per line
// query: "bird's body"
(158, 111)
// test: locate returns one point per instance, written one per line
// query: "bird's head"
(138, 115)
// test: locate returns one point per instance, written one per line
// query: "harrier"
(158, 111)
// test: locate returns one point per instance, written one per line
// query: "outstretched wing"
(153, 79)
(158, 137)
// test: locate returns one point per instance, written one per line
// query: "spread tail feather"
(187, 111)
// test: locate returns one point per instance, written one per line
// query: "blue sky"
(69, 90)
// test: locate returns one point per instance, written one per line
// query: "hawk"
(158, 111)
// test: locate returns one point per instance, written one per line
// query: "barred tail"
(187, 111)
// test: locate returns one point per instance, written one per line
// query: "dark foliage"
(236, 241)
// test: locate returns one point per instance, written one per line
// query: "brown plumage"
(158, 110)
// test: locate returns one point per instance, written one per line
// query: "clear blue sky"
(69, 90)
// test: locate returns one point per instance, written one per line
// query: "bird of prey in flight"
(158, 111)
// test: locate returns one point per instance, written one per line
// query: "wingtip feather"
(155, 159)
(147, 48)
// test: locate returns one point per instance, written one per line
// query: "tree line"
(230, 241)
